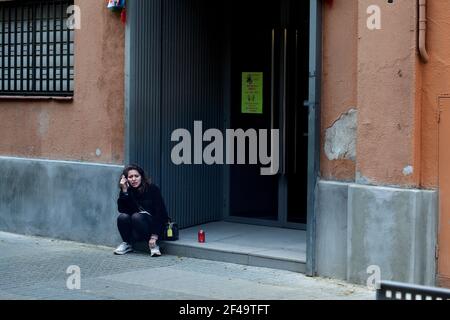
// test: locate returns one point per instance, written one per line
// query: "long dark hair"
(145, 181)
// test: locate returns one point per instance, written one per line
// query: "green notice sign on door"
(252, 92)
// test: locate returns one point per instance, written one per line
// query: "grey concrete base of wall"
(62, 200)
(331, 230)
(365, 229)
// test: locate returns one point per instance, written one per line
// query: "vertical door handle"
(296, 107)
(284, 169)
(272, 83)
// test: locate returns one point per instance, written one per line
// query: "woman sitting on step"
(142, 211)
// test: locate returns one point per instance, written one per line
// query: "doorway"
(185, 62)
(191, 65)
(268, 44)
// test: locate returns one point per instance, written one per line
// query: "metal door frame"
(314, 103)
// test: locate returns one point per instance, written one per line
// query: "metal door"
(174, 77)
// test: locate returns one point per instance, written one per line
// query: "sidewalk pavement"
(33, 268)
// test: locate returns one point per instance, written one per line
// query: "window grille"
(36, 48)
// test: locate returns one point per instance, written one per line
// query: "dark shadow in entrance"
(271, 39)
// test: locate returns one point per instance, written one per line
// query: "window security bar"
(36, 48)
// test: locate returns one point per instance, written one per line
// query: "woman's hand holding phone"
(124, 183)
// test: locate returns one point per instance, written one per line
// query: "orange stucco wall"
(376, 72)
(94, 120)
(338, 78)
(435, 83)
(387, 95)
(435, 94)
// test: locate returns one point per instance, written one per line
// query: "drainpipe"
(423, 30)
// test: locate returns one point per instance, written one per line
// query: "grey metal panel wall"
(192, 91)
(176, 79)
(144, 18)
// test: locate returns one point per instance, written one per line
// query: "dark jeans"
(134, 228)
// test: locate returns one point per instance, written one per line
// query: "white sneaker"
(123, 248)
(155, 251)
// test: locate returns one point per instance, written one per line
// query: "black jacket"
(151, 200)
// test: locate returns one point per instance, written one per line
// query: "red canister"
(201, 236)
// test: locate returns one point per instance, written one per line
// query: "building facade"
(358, 91)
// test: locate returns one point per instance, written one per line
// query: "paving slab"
(34, 268)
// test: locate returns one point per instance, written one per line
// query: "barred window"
(36, 48)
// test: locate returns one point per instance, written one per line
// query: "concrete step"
(231, 256)
(244, 244)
